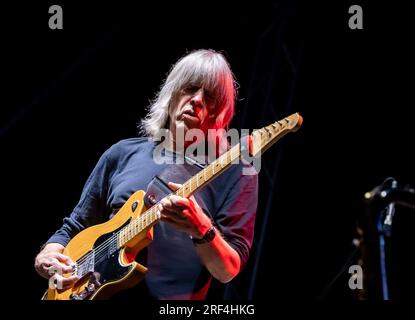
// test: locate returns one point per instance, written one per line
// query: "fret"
(219, 164)
(141, 222)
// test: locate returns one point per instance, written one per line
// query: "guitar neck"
(260, 140)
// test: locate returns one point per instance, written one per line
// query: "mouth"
(190, 118)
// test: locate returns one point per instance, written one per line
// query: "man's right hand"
(51, 262)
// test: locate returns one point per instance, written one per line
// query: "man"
(209, 234)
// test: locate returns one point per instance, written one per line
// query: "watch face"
(208, 237)
(210, 234)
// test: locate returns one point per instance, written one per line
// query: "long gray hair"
(205, 68)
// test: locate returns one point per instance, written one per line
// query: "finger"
(168, 207)
(54, 266)
(69, 282)
(179, 201)
(176, 216)
(64, 283)
(165, 203)
(193, 203)
(187, 213)
(58, 267)
(174, 186)
(67, 269)
(43, 270)
(179, 218)
(63, 258)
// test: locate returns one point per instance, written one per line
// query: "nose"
(197, 98)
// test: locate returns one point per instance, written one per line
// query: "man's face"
(192, 109)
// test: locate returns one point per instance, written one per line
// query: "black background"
(70, 94)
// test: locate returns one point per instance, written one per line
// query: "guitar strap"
(158, 188)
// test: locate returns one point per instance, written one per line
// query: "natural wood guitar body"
(117, 270)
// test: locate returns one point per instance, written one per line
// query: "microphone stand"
(381, 202)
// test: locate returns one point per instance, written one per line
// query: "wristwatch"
(208, 236)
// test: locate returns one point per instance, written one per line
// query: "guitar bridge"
(93, 284)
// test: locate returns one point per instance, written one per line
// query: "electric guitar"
(104, 254)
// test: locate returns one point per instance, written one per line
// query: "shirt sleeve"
(92, 207)
(236, 217)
